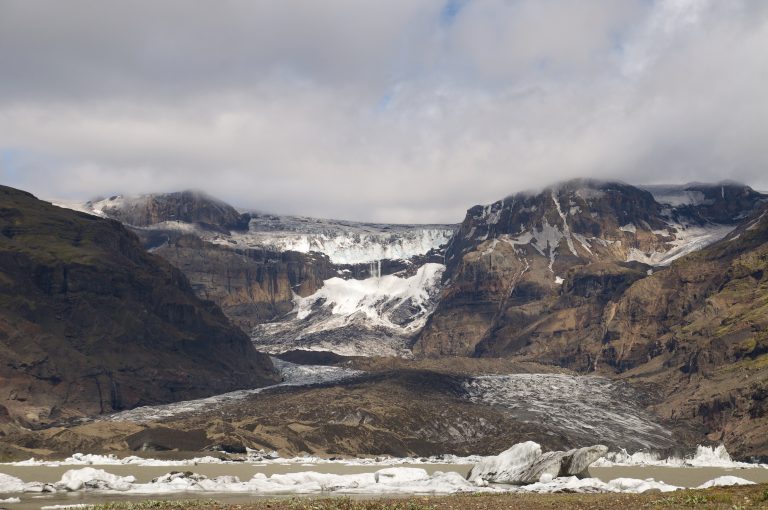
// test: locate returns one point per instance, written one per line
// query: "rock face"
(525, 464)
(700, 328)
(91, 323)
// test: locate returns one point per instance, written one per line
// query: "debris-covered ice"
(292, 375)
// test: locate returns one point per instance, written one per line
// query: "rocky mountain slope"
(540, 264)
(91, 323)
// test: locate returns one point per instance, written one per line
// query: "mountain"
(661, 287)
(91, 323)
(667, 291)
(193, 207)
(699, 332)
(291, 281)
(544, 265)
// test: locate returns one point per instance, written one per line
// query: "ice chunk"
(509, 465)
(10, 484)
(637, 486)
(400, 475)
(723, 481)
(92, 478)
(705, 456)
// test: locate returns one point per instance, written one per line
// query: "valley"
(586, 313)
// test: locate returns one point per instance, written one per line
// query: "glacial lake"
(680, 476)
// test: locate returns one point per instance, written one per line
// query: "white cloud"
(378, 110)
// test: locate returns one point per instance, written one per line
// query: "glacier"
(376, 316)
(344, 242)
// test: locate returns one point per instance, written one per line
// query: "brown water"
(684, 477)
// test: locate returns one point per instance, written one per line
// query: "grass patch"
(156, 504)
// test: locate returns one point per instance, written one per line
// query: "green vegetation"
(154, 504)
(718, 498)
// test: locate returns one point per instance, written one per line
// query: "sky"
(387, 110)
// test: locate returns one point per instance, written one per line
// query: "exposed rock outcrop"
(252, 286)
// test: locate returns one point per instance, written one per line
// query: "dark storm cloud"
(400, 110)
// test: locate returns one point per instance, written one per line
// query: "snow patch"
(688, 239)
(629, 227)
(676, 196)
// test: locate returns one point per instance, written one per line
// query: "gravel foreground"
(732, 498)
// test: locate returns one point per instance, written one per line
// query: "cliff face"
(91, 323)
(252, 286)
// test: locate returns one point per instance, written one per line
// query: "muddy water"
(684, 477)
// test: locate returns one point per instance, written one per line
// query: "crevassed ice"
(372, 317)
(589, 407)
(348, 246)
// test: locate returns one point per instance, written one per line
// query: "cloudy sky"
(388, 110)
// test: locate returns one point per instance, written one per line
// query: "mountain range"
(662, 288)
